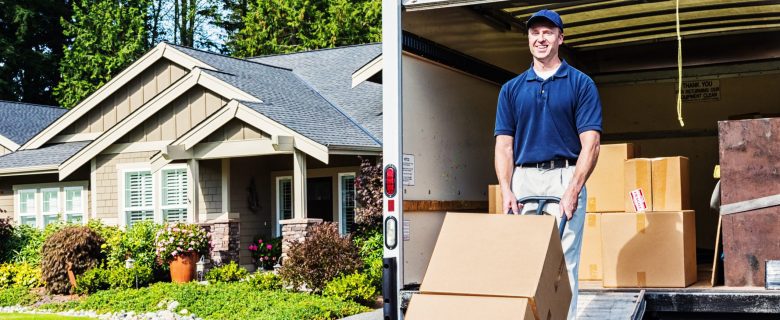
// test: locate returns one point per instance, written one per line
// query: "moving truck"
(443, 63)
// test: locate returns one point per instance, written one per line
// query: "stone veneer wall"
(295, 230)
(225, 239)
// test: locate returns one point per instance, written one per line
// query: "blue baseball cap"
(549, 15)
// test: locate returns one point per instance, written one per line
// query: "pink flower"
(265, 258)
(260, 241)
(268, 247)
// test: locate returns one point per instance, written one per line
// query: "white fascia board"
(417, 5)
(233, 149)
(208, 126)
(24, 171)
(301, 142)
(225, 89)
(367, 71)
(183, 59)
(94, 99)
(133, 120)
(8, 144)
(75, 137)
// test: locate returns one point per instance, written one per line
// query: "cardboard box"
(494, 199)
(638, 176)
(590, 256)
(502, 256)
(671, 184)
(605, 185)
(449, 307)
(649, 250)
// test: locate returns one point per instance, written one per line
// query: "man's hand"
(569, 202)
(510, 202)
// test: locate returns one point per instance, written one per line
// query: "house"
(245, 147)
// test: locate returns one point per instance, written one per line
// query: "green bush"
(6, 235)
(227, 273)
(265, 281)
(355, 287)
(97, 279)
(27, 241)
(112, 236)
(370, 245)
(22, 275)
(92, 280)
(77, 247)
(17, 296)
(236, 300)
(324, 256)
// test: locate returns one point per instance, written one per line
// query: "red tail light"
(390, 180)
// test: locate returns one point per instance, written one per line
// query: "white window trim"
(83, 210)
(123, 168)
(342, 214)
(278, 196)
(159, 181)
(38, 189)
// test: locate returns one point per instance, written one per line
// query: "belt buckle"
(552, 164)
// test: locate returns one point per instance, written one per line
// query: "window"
(283, 201)
(174, 195)
(39, 205)
(139, 205)
(347, 202)
(27, 213)
(74, 205)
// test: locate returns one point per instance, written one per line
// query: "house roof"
(48, 155)
(21, 121)
(329, 72)
(319, 113)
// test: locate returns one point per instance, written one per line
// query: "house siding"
(210, 197)
(107, 180)
(178, 117)
(4, 151)
(128, 98)
(7, 191)
(236, 130)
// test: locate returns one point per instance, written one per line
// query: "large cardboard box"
(501, 256)
(638, 176)
(605, 185)
(671, 184)
(649, 250)
(449, 307)
(590, 256)
(494, 199)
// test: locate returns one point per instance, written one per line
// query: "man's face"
(544, 38)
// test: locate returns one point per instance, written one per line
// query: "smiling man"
(548, 128)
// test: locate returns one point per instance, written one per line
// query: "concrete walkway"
(373, 315)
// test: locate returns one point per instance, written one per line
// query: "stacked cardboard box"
(483, 267)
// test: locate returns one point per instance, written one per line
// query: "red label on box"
(638, 199)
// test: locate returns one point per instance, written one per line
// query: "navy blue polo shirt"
(545, 117)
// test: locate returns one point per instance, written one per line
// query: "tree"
(283, 26)
(31, 43)
(191, 23)
(108, 35)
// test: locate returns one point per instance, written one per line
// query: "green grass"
(16, 296)
(25, 316)
(217, 301)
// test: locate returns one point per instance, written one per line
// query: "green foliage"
(27, 242)
(179, 239)
(17, 296)
(7, 243)
(283, 26)
(108, 35)
(136, 243)
(96, 279)
(77, 247)
(368, 189)
(370, 245)
(322, 257)
(227, 273)
(19, 275)
(265, 281)
(92, 280)
(266, 254)
(218, 301)
(355, 287)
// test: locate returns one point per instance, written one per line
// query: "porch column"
(193, 194)
(299, 185)
(226, 188)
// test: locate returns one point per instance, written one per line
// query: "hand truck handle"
(542, 201)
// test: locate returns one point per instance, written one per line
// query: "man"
(548, 127)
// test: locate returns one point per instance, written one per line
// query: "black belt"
(551, 164)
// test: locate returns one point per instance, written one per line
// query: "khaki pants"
(553, 182)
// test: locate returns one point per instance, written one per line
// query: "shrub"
(180, 239)
(17, 296)
(227, 273)
(22, 275)
(355, 287)
(323, 256)
(98, 278)
(138, 243)
(6, 243)
(112, 236)
(79, 247)
(370, 245)
(368, 188)
(265, 281)
(266, 254)
(93, 280)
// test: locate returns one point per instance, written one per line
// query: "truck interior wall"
(650, 107)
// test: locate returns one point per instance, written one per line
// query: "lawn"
(26, 316)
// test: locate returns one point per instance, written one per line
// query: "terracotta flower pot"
(183, 267)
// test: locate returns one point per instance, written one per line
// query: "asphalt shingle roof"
(290, 100)
(19, 121)
(330, 71)
(52, 154)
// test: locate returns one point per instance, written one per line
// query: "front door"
(319, 198)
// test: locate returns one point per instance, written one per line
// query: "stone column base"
(295, 230)
(225, 241)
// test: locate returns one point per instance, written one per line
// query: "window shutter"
(174, 195)
(138, 196)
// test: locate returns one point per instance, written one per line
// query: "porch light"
(391, 234)
(129, 263)
(199, 268)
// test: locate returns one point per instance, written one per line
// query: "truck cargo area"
(452, 57)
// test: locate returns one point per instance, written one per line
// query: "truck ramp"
(611, 305)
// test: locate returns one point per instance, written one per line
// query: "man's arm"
(505, 165)
(591, 141)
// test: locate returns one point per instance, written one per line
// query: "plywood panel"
(149, 80)
(198, 108)
(177, 72)
(251, 133)
(163, 76)
(167, 123)
(213, 102)
(109, 116)
(152, 128)
(234, 131)
(122, 100)
(136, 95)
(182, 115)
